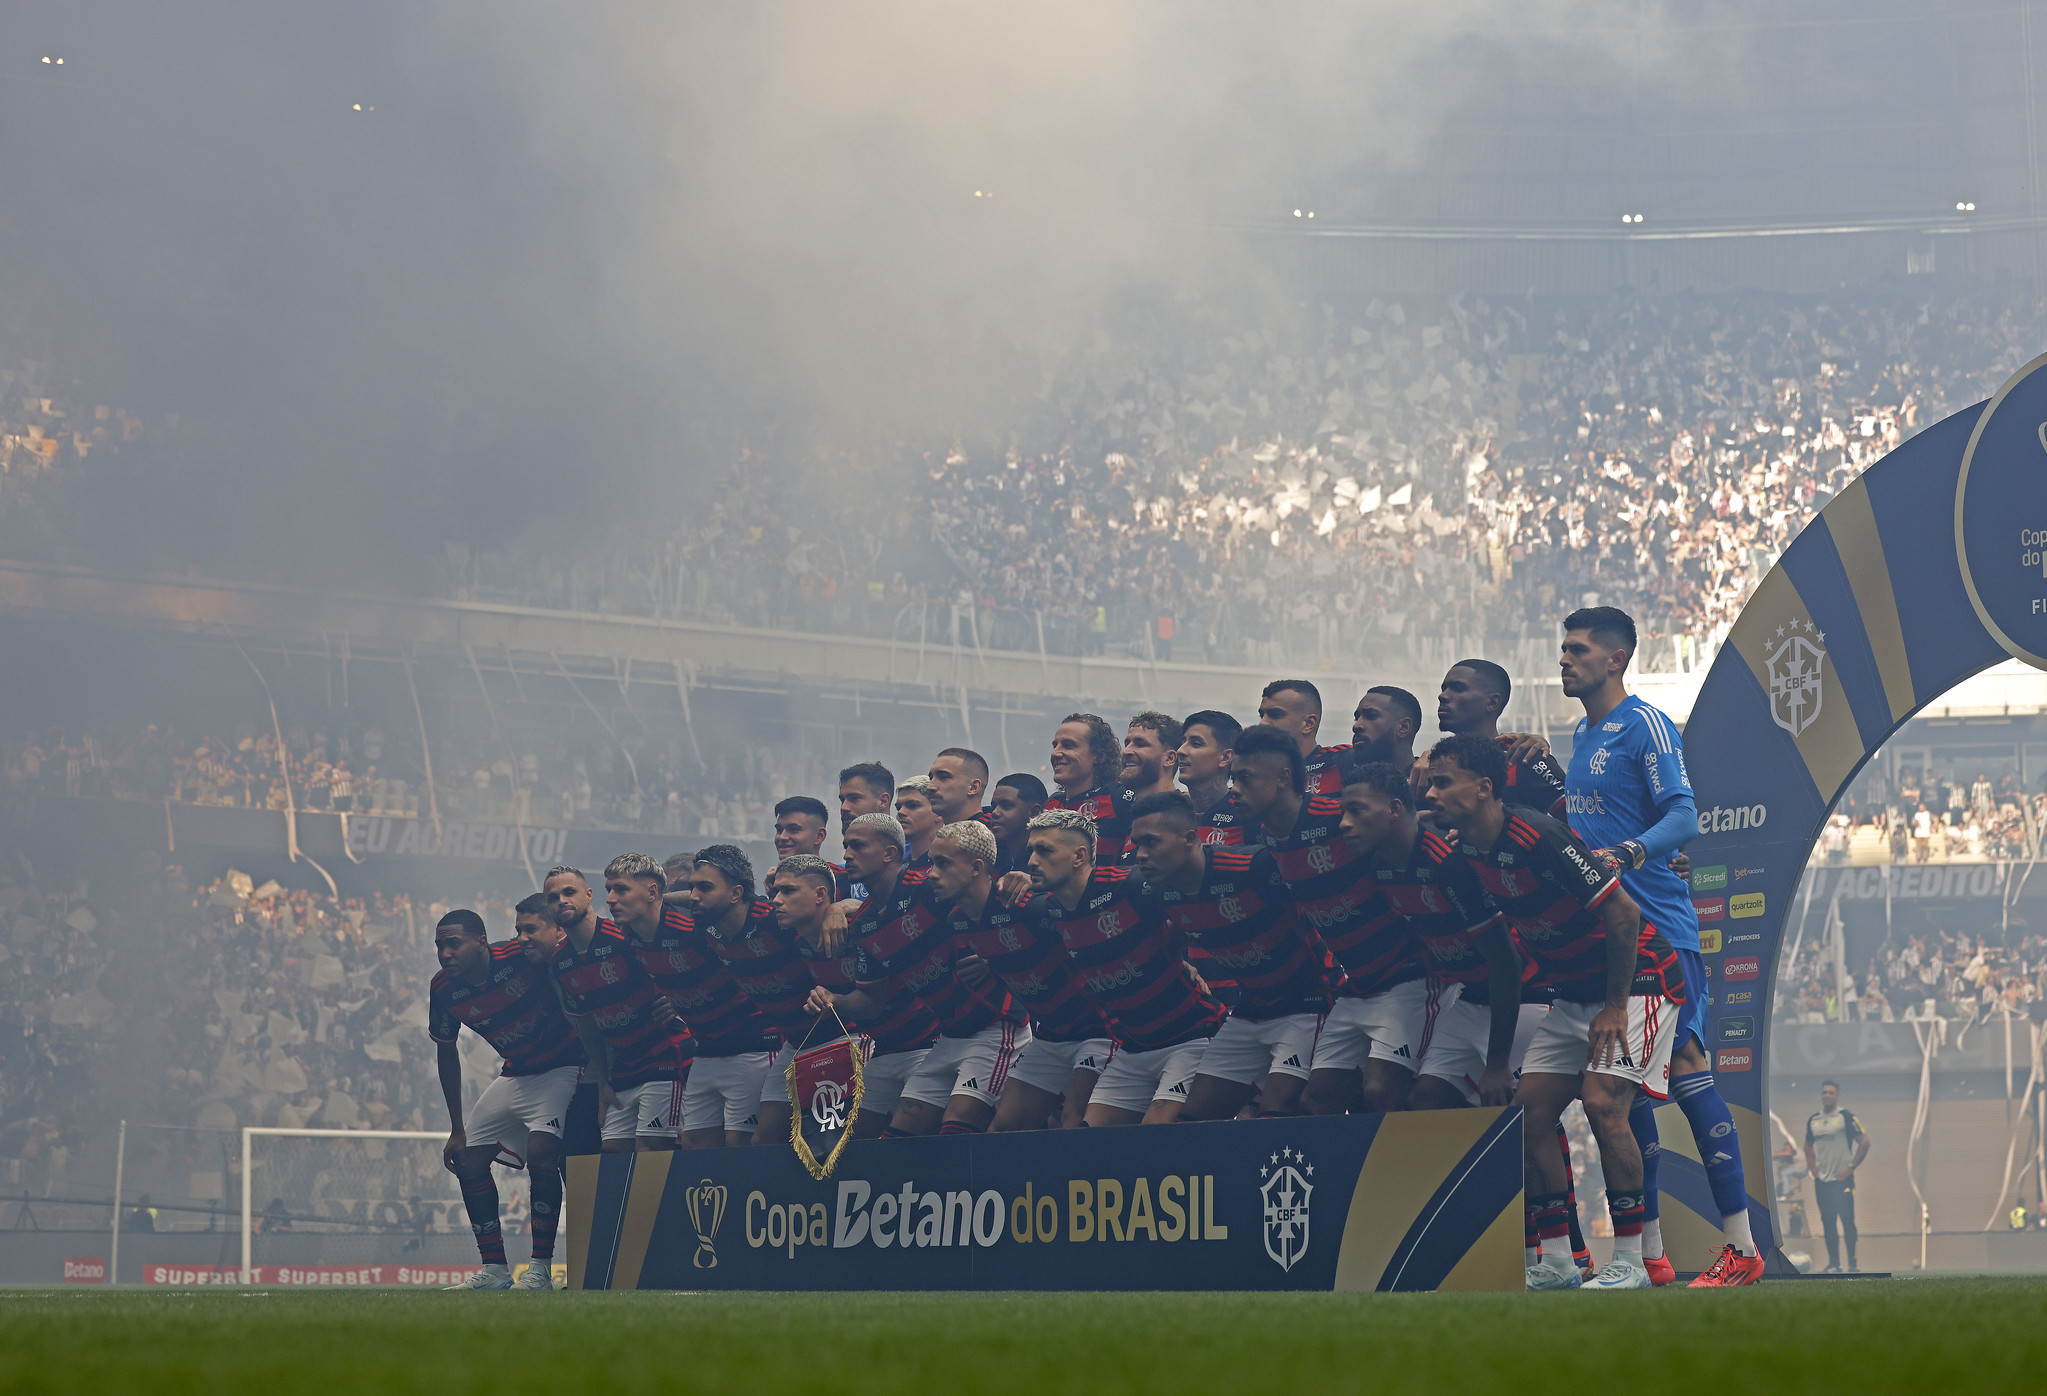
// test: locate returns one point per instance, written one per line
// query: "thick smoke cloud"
(565, 254)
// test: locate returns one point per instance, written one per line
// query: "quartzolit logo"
(706, 1203)
(1284, 1190)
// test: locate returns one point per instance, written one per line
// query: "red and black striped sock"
(547, 1211)
(1580, 1252)
(480, 1200)
(893, 1133)
(960, 1127)
(1627, 1209)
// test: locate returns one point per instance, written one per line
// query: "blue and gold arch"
(1927, 570)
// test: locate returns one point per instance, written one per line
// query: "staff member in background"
(1835, 1146)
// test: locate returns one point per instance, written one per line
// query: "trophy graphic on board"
(706, 1203)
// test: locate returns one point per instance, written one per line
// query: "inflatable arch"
(1927, 570)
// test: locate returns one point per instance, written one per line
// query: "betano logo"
(1734, 1059)
(1725, 819)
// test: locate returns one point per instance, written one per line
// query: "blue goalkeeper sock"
(1719, 1147)
(1642, 1122)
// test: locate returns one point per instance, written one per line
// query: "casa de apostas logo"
(1793, 658)
(1284, 1191)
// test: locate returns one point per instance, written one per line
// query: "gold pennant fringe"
(821, 1171)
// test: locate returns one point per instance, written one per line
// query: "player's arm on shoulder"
(597, 1054)
(1609, 1028)
(1525, 746)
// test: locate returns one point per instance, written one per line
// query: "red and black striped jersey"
(1537, 782)
(906, 944)
(1550, 887)
(1225, 824)
(1325, 777)
(607, 983)
(1109, 806)
(1242, 918)
(515, 1010)
(1127, 959)
(1438, 896)
(1330, 881)
(1022, 947)
(686, 967)
(776, 970)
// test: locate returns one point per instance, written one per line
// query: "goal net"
(335, 1206)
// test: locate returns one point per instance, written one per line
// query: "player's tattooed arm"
(1609, 1031)
(599, 1053)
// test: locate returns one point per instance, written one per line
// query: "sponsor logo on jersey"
(1725, 819)
(1710, 879)
(1709, 939)
(1710, 908)
(1734, 1059)
(1737, 1029)
(1745, 905)
(1794, 657)
(1284, 1188)
(1611, 727)
(1740, 968)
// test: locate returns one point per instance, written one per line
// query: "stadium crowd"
(1967, 979)
(1203, 489)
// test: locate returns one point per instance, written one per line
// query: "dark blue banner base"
(1414, 1201)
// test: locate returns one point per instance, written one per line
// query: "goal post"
(390, 1165)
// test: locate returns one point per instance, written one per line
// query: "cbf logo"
(1285, 1192)
(1793, 664)
(828, 1105)
(706, 1204)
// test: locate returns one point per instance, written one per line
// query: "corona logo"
(706, 1204)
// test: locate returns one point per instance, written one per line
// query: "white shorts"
(1389, 1027)
(1463, 1031)
(1133, 1080)
(976, 1066)
(886, 1075)
(775, 1084)
(726, 1092)
(511, 1106)
(1563, 1037)
(653, 1108)
(1049, 1066)
(1246, 1052)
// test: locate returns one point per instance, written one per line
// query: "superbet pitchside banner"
(1927, 570)
(1426, 1200)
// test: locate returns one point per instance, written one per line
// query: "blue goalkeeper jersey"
(1624, 773)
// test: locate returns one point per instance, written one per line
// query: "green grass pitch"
(1874, 1335)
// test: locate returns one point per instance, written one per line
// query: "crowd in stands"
(45, 436)
(217, 1006)
(1929, 815)
(1205, 489)
(1945, 974)
(659, 786)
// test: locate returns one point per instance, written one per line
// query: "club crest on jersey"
(1231, 909)
(1321, 858)
(1794, 663)
(1284, 1190)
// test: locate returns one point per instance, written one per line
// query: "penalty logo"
(1794, 666)
(1285, 1191)
(706, 1204)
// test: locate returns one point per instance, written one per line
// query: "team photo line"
(1212, 921)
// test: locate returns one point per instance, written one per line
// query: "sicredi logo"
(1710, 908)
(1747, 904)
(1713, 879)
(1742, 967)
(1734, 1059)
(1709, 940)
(1724, 819)
(1737, 1029)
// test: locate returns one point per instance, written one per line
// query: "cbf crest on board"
(1794, 663)
(1285, 1191)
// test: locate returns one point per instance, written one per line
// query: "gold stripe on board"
(1832, 744)
(1497, 1260)
(642, 1206)
(581, 1200)
(1411, 1155)
(1852, 521)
